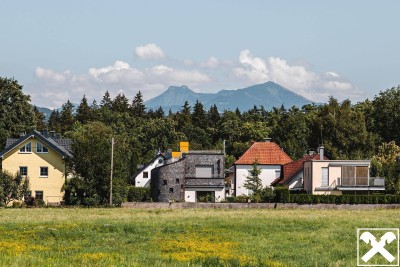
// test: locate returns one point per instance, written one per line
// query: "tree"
(385, 114)
(106, 102)
(292, 132)
(386, 164)
(343, 130)
(12, 187)
(16, 112)
(199, 115)
(120, 104)
(83, 112)
(91, 161)
(40, 119)
(138, 109)
(67, 118)
(53, 124)
(184, 116)
(253, 181)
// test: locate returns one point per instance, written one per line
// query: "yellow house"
(41, 158)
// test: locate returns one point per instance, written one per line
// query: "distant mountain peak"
(268, 95)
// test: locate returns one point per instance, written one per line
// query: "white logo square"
(378, 247)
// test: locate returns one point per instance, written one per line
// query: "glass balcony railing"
(361, 181)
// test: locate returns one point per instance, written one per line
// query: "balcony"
(360, 183)
(208, 182)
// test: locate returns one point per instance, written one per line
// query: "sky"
(60, 50)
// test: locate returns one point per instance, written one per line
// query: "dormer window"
(26, 148)
(40, 148)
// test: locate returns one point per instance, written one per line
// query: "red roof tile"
(292, 168)
(266, 153)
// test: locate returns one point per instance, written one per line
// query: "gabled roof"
(265, 153)
(61, 146)
(291, 169)
(156, 157)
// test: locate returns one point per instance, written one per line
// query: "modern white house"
(269, 157)
(337, 177)
(292, 173)
(143, 177)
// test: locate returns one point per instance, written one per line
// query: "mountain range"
(268, 95)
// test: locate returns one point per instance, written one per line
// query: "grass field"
(188, 237)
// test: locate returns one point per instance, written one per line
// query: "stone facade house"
(197, 176)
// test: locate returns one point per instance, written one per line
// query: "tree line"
(363, 130)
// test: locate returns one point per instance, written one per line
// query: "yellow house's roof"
(61, 146)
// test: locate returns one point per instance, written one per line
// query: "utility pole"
(112, 166)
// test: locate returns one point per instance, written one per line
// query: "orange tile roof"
(292, 168)
(266, 153)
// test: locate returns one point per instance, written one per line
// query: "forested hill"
(268, 95)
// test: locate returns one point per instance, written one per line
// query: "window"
(26, 148)
(277, 173)
(40, 148)
(145, 174)
(165, 182)
(177, 180)
(171, 189)
(44, 171)
(39, 195)
(23, 171)
(204, 171)
(355, 175)
(324, 177)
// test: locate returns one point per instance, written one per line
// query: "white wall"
(190, 194)
(267, 176)
(139, 180)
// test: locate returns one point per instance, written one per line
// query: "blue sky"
(61, 50)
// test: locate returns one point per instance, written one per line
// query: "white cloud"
(298, 78)
(211, 63)
(149, 51)
(53, 88)
(252, 68)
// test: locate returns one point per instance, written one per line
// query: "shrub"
(139, 194)
(282, 195)
(267, 194)
(242, 199)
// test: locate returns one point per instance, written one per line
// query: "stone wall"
(167, 182)
(187, 205)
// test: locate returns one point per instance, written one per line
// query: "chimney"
(267, 140)
(321, 152)
(311, 151)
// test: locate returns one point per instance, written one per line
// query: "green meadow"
(184, 237)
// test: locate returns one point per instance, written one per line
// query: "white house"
(269, 157)
(337, 177)
(143, 176)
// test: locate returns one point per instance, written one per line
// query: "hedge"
(344, 199)
(283, 196)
